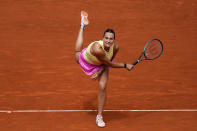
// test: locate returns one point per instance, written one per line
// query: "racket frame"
(143, 52)
(146, 58)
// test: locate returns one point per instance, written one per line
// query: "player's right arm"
(99, 53)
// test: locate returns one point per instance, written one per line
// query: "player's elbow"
(112, 65)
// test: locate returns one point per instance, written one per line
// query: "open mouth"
(108, 44)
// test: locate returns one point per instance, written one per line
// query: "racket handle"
(137, 61)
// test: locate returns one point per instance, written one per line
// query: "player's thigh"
(103, 79)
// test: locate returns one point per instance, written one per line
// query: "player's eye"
(106, 38)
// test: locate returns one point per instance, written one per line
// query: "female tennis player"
(96, 59)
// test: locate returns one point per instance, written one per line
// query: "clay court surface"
(38, 70)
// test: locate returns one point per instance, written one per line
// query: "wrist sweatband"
(125, 65)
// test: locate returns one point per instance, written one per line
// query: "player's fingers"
(94, 77)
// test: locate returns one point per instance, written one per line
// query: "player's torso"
(92, 59)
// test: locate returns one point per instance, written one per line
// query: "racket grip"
(134, 63)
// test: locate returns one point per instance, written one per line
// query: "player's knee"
(77, 60)
(102, 86)
(77, 57)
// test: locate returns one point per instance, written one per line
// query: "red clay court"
(40, 81)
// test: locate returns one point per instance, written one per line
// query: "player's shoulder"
(96, 46)
(96, 49)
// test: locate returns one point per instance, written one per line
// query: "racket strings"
(153, 50)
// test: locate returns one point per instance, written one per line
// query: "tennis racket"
(152, 50)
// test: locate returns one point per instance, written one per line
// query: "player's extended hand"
(96, 75)
(129, 67)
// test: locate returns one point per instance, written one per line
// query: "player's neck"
(107, 49)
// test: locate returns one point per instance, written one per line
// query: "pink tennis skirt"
(88, 68)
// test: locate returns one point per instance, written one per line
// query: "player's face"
(108, 39)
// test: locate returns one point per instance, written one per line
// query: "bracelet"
(125, 65)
